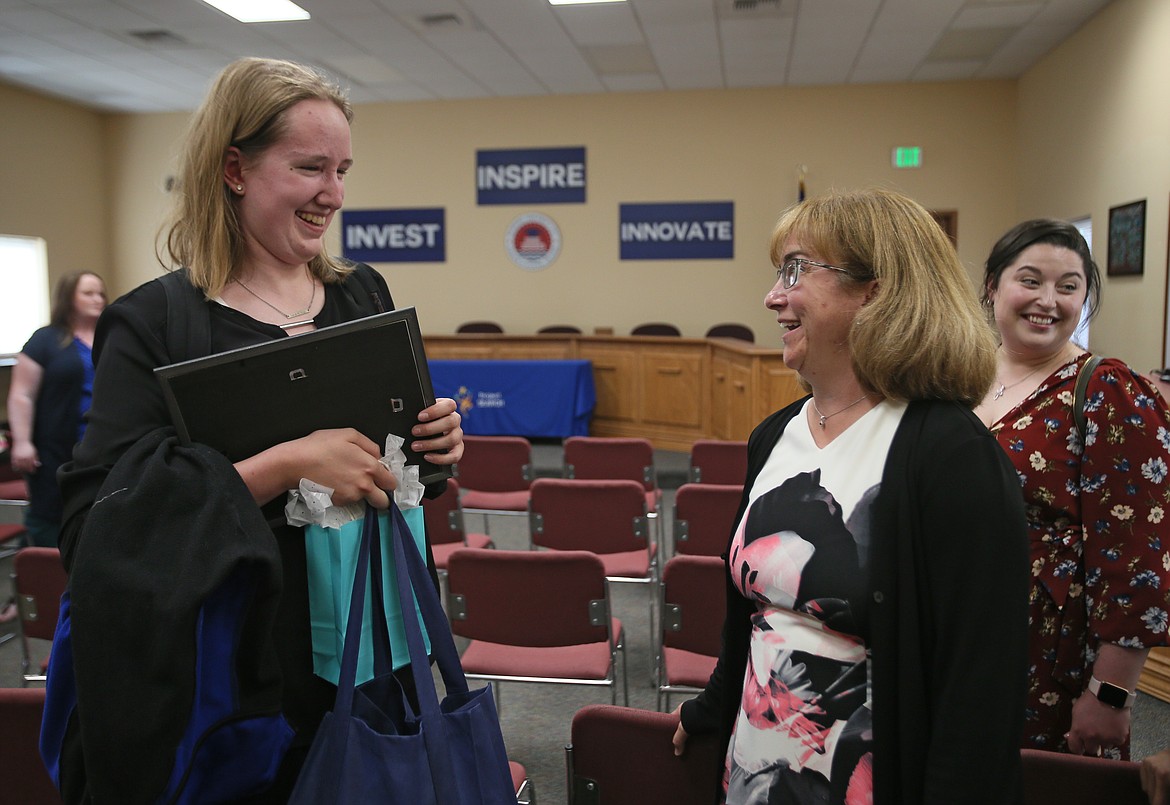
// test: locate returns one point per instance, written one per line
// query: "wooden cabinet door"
(672, 391)
(741, 406)
(614, 379)
(720, 396)
(781, 386)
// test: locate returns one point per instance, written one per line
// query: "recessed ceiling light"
(580, 2)
(260, 10)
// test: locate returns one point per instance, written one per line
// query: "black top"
(56, 415)
(947, 621)
(128, 404)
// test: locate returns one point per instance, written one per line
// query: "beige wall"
(1086, 129)
(742, 146)
(53, 180)
(1094, 123)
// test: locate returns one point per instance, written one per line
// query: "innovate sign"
(530, 176)
(695, 231)
(394, 236)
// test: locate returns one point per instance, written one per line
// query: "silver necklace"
(999, 392)
(295, 313)
(823, 416)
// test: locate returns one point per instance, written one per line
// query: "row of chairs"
(701, 515)
(496, 472)
(545, 615)
(481, 581)
(616, 756)
(39, 579)
(623, 756)
(727, 330)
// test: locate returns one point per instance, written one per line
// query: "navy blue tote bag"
(373, 747)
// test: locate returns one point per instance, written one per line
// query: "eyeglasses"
(789, 273)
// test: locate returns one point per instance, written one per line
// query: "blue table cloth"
(519, 398)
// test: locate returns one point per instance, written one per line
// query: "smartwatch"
(1110, 694)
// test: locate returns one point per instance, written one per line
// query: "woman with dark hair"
(52, 385)
(875, 640)
(1096, 501)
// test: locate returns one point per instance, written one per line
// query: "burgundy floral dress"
(1098, 530)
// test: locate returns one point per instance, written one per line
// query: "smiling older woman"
(1095, 505)
(874, 647)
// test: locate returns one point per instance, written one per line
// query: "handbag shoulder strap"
(361, 276)
(188, 333)
(1079, 393)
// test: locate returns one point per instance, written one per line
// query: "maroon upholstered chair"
(520, 781)
(27, 782)
(14, 491)
(693, 604)
(716, 461)
(731, 330)
(38, 579)
(443, 519)
(11, 537)
(494, 475)
(704, 515)
(13, 495)
(656, 328)
(606, 458)
(1056, 777)
(479, 327)
(535, 616)
(560, 328)
(618, 755)
(607, 518)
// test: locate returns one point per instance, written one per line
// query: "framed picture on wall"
(1127, 239)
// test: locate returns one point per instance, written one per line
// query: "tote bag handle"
(411, 574)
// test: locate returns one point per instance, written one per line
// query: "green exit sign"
(907, 156)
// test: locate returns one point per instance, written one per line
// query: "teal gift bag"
(332, 555)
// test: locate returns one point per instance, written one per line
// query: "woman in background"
(1096, 505)
(875, 641)
(52, 385)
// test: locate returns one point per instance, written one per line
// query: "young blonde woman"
(262, 175)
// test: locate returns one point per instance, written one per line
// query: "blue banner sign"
(394, 236)
(694, 231)
(530, 176)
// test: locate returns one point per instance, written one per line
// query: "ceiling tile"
(386, 51)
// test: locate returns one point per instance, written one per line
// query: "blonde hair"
(244, 108)
(922, 335)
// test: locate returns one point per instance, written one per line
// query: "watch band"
(1110, 694)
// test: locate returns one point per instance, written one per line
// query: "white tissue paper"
(313, 503)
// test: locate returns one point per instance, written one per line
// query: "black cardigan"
(947, 622)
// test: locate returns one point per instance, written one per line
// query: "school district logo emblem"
(533, 241)
(463, 399)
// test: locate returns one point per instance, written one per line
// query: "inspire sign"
(530, 176)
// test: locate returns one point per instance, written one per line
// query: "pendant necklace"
(999, 392)
(303, 311)
(823, 417)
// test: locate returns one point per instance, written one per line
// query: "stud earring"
(239, 188)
